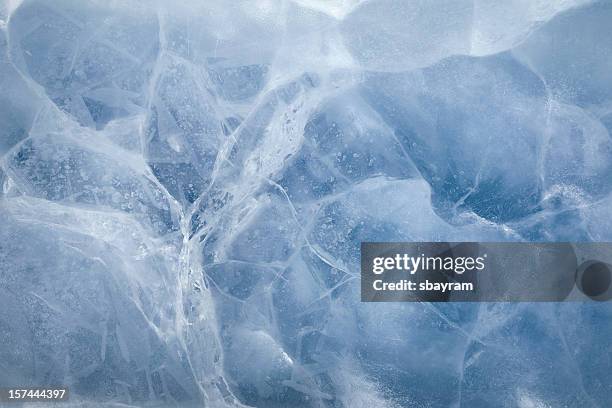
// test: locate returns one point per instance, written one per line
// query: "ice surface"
(576, 68)
(419, 33)
(185, 186)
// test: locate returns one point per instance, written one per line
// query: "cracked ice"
(185, 186)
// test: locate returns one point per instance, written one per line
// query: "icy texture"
(185, 186)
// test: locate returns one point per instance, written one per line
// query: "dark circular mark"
(596, 279)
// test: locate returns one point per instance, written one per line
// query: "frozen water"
(414, 34)
(419, 33)
(575, 68)
(185, 186)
